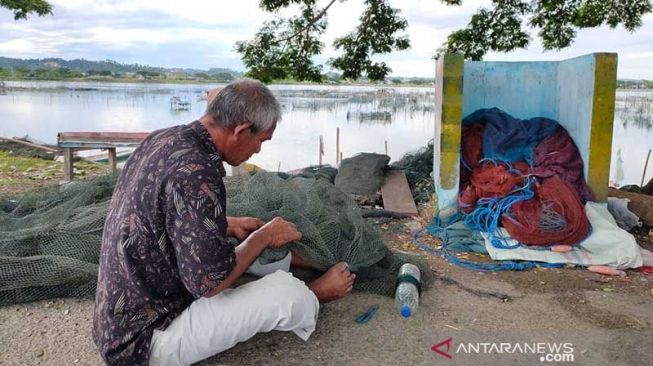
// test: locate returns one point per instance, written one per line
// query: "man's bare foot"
(334, 284)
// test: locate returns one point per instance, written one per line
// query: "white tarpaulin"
(607, 245)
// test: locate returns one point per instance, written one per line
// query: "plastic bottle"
(407, 292)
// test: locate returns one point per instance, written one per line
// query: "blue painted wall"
(576, 97)
(523, 89)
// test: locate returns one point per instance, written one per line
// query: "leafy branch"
(22, 8)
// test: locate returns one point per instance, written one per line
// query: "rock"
(640, 204)
(413, 225)
(362, 174)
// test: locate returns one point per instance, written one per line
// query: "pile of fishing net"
(525, 176)
(418, 167)
(331, 224)
(50, 240)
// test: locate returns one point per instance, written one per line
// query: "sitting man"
(163, 293)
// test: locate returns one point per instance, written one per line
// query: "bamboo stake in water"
(321, 152)
(337, 145)
(648, 156)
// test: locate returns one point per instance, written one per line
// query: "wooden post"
(386, 147)
(68, 172)
(321, 152)
(341, 156)
(337, 145)
(113, 159)
(645, 167)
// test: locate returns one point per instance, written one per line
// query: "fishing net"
(50, 240)
(555, 215)
(418, 166)
(331, 224)
(523, 175)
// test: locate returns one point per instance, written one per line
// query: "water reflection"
(632, 137)
(636, 109)
(366, 116)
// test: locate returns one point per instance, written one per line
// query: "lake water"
(366, 116)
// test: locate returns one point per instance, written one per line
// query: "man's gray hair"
(245, 100)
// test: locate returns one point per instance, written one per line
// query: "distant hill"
(634, 84)
(114, 67)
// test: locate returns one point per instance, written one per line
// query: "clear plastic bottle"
(407, 292)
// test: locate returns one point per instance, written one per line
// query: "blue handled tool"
(368, 315)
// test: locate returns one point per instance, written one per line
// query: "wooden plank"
(124, 137)
(68, 172)
(95, 145)
(26, 143)
(396, 194)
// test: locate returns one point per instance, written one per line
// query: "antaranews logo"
(545, 351)
(438, 350)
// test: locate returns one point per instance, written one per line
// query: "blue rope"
(485, 217)
(439, 229)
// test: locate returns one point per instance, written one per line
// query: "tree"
(222, 76)
(502, 28)
(22, 8)
(285, 47)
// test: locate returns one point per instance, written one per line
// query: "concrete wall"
(523, 89)
(575, 91)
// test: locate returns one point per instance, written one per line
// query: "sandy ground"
(606, 320)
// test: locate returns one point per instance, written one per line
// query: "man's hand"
(280, 232)
(241, 227)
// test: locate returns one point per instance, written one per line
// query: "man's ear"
(243, 127)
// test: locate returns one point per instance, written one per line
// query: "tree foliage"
(504, 27)
(22, 8)
(285, 47)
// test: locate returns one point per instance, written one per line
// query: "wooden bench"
(71, 141)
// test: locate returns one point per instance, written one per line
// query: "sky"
(202, 34)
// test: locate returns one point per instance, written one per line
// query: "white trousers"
(212, 325)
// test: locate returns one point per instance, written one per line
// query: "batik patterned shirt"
(164, 241)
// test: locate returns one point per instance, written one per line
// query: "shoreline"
(212, 82)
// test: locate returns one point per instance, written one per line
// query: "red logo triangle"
(445, 354)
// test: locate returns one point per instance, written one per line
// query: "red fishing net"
(555, 215)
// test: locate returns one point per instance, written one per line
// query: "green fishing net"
(50, 239)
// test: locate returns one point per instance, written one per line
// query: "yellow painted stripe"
(605, 86)
(452, 108)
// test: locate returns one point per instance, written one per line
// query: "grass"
(20, 174)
